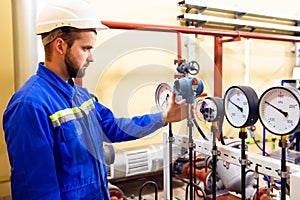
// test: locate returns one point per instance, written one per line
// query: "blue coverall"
(54, 133)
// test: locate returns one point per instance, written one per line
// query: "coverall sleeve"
(30, 149)
(126, 129)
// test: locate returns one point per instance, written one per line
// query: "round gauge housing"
(210, 109)
(279, 110)
(240, 106)
(163, 96)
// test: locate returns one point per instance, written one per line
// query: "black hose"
(201, 189)
(255, 142)
(199, 129)
(155, 188)
(283, 170)
(257, 182)
(221, 131)
(170, 159)
(214, 130)
(243, 136)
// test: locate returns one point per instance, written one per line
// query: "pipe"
(243, 136)
(25, 46)
(264, 140)
(283, 144)
(203, 31)
(149, 183)
(179, 52)
(247, 60)
(218, 73)
(191, 148)
(191, 40)
(171, 140)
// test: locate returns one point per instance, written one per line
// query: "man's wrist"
(164, 118)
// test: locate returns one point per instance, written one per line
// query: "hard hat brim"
(80, 24)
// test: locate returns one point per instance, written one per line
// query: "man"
(53, 129)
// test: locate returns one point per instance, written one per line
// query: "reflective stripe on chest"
(69, 114)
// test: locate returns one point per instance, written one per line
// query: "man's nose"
(90, 58)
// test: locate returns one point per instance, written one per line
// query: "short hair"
(68, 34)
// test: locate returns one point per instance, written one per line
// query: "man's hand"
(176, 111)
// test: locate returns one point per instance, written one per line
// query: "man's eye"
(87, 48)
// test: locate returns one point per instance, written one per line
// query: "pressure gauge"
(210, 109)
(240, 104)
(279, 110)
(163, 96)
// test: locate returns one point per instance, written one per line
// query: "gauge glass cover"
(240, 106)
(163, 96)
(210, 109)
(279, 110)
(207, 110)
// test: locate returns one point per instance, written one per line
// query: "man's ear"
(59, 45)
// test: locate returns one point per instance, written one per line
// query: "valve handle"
(194, 67)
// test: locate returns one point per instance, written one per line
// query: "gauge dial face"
(240, 104)
(279, 110)
(210, 109)
(163, 96)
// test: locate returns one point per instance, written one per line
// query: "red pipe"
(218, 55)
(203, 31)
(179, 53)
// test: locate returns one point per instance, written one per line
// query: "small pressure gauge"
(163, 95)
(279, 110)
(210, 109)
(240, 105)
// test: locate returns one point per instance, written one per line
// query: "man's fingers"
(173, 96)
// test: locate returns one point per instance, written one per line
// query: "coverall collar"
(68, 88)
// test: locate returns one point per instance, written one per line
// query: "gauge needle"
(281, 111)
(166, 99)
(238, 107)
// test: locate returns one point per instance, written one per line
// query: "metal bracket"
(262, 164)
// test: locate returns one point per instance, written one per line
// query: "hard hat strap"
(51, 36)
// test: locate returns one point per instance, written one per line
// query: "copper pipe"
(203, 31)
(179, 52)
(218, 73)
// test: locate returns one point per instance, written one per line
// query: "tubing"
(170, 159)
(191, 148)
(203, 31)
(155, 189)
(243, 136)
(236, 35)
(25, 51)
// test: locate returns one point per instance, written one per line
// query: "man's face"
(79, 56)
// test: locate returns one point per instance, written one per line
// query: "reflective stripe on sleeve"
(69, 114)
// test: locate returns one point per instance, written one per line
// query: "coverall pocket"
(73, 151)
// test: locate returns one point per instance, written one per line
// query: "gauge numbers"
(279, 110)
(240, 104)
(163, 96)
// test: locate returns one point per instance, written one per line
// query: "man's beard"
(72, 71)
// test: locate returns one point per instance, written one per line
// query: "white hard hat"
(73, 13)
